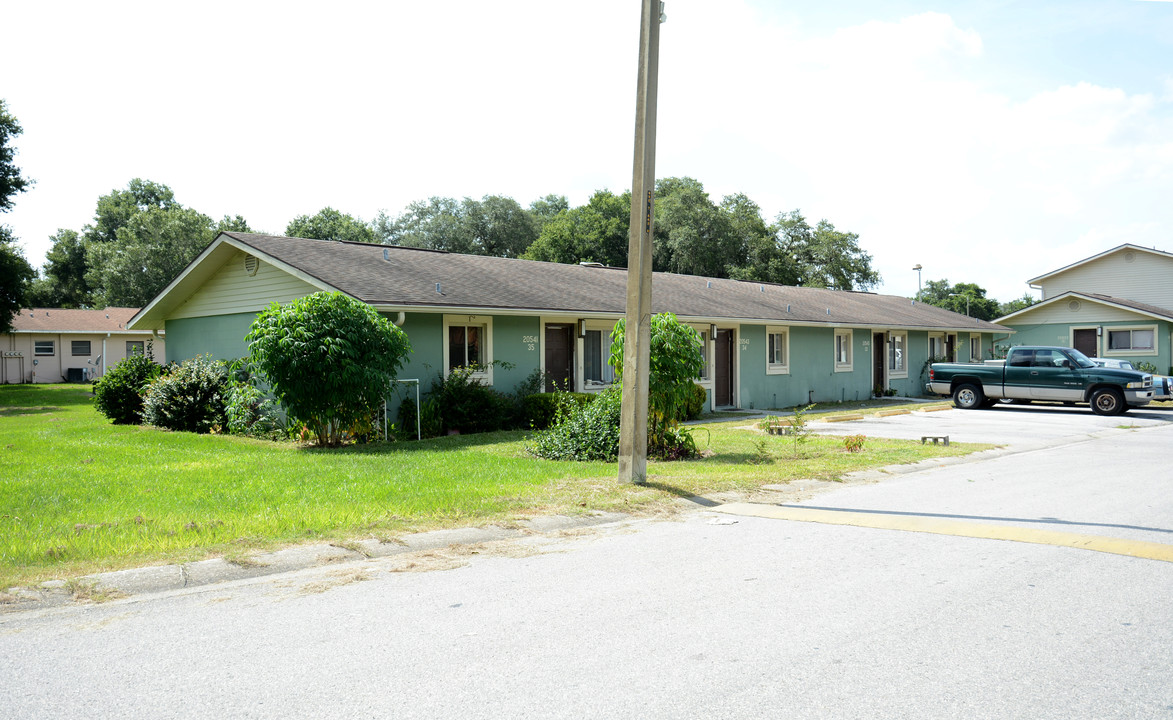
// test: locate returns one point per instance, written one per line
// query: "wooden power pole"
(633, 424)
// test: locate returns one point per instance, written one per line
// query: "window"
(975, 347)
(1132, 340)
(42, 347)
(777, 351)
(596, 368)
(80, 347)
(897, 355)
(936, 346)
(842, 350)
(468, 343)
(705, 354)
(135, 347)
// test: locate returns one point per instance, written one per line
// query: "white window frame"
(892, 336)
(1109, 329)
(940, 338)
(775, 368)
(604, 327)
(705, 379)
(73, 348)
(136, 347)
(40, 352)
(486, 323)
(975, 348)
(843, 339)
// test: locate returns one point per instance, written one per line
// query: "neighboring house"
(52, 345)
(765, 346)
(1118, 304)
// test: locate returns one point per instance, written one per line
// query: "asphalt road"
(710, 615)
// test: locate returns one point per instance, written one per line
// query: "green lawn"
(79, 495)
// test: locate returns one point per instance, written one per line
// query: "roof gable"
(1131, 306)
(1126, 248)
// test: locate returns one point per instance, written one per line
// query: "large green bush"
(118, 394)
(329, 359)
(540, 410)
(675, 360)
(190, 397)
(587, 432)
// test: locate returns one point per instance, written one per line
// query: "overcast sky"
(988, 141)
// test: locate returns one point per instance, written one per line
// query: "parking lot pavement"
(1002, 425)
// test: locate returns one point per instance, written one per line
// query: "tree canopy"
(494, 225)
(15, 271)
(330, 224)
(963, 298)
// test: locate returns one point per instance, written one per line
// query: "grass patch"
(79, 495)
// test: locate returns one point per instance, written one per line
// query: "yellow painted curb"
(843, 418)
(959, 528)
(890, 413)
(937, 408)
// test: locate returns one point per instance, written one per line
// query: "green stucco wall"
(812, 368)
(218, 336)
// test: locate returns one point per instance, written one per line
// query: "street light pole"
(633, 414)
(966, 295)
(918, 269)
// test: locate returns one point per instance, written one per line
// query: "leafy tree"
(64, 275)
(152, 248)
(676, 360)
(329, 224)
(765, 260)
(11, 179)
(1014, 306)
(15, 271)
(498, 226)
(116, 209)
(15, 275)
(595, 232)
(330, 360)
(234, 223)
(693, 235)
(823, 256)
(960, 298)
(547, 208)
(494, 225)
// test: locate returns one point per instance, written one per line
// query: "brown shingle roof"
(51, 320)
(389, 275)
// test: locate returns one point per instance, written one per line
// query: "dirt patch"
(457, 556)
(337, 578)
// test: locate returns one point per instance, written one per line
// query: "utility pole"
(633, 418)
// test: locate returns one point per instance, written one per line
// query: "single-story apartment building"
(53, 345)
(765, 345)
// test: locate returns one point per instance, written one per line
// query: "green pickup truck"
(1055, 374)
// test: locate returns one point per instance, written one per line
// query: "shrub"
(118, 394)
(587, 432)
(469, 406)
(854, 443)
(539, 411)
(249, 411)
(330, 360)
(695, 404)
(190, 397)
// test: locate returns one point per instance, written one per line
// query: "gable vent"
(1073, 306)
(251, 264)
(1129, 256)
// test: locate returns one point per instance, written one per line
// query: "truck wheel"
(968, 397)
(1108, 401)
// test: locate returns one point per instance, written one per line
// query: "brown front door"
(559, 358)
(878, 355)
(723, 370)
(1085, 341)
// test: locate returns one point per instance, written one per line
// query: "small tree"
(118, 394)
(676, 360)
(329, 359)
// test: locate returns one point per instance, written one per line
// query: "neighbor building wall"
(105, 351)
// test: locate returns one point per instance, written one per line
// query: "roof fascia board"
(595, 315)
